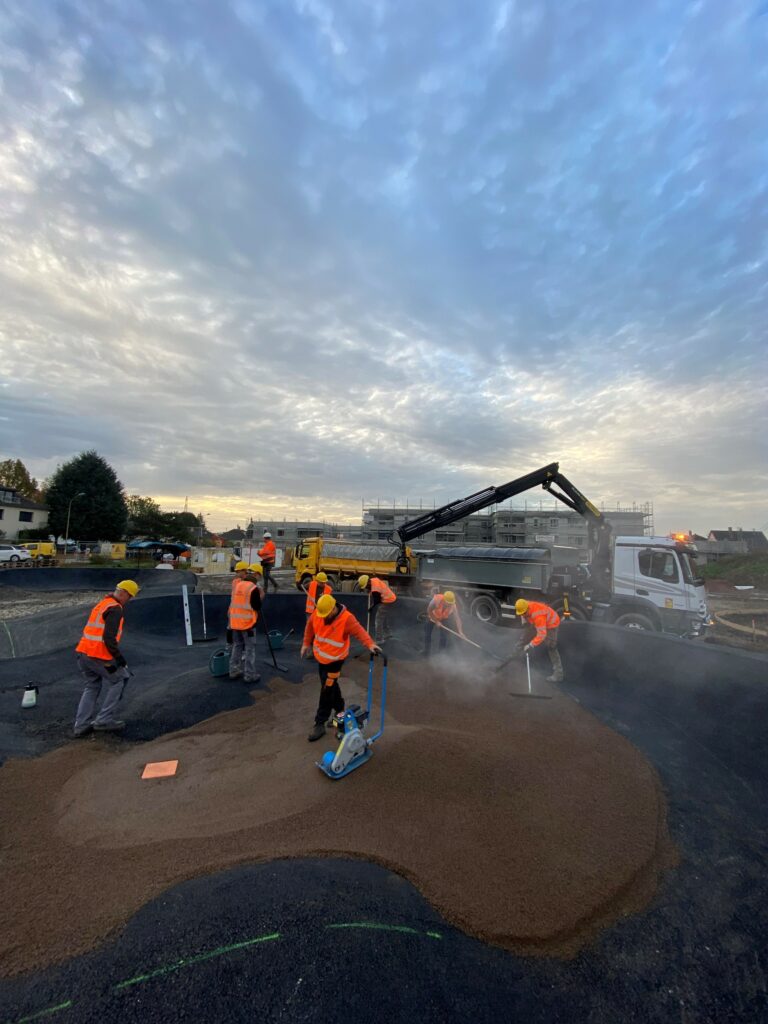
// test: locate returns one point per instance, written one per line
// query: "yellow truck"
(341, 559)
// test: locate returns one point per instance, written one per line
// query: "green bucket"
(275, 640)
(219, 663)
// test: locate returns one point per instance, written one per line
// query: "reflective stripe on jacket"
(241, 614)
(330, 640)
(542, 618)
(312, 595)
(92, 640)
(268, 551)
(440, 609)
(381, 587)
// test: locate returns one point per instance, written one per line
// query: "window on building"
(281, 533)
(25, 517)
(659, 565)
(554, 522)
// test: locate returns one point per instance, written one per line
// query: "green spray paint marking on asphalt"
(221, 951)
(13, 655)
(45, 1013)
(374, 926)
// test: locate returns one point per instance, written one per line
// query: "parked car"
(40, 549)
(13, 553)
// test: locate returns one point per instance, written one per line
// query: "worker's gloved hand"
(120, 661)
(375, 649)
(528, 647)
(111, 667)
(304, 650)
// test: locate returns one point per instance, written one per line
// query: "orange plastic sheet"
(160, 769)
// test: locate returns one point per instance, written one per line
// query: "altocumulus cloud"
(278, 256)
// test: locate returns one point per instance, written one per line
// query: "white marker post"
(187, 621)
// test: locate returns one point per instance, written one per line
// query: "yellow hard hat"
(449, 597)
(325, 606)
(241, 567)
(129, 586)
(521, 606)
(321, 577)
(363, 582)
(256, 567)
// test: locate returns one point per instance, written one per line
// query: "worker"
(244, 608)
(267, 553)
(100, 661)
(440, 609)
(256, 575)
(327, 636)
(313, 591)
(379, 596)
(541, 624)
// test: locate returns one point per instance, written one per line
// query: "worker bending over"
(379, 596)
(327, 634)
(244, 608)
(268, 553)
(317, 587)
(441, 610)
(100, 661)
(541, 625)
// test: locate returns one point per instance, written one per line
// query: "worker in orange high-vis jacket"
(379, 596)
(317, 587)
(441, 611)
(541, 624)
(100, 661)
(327, 636)
(268, 553)
(244, 608)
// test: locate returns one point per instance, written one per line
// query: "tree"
(14, 474)
(100, 513)
(145, 518)
(181, 526)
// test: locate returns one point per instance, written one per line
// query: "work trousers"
(331, 700)
(94, 672)
(444, 636)
(268, 567)
(550, 642)
(242, 660)
(380, 630)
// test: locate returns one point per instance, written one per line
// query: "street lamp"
(80, 494)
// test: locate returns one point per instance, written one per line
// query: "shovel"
(280, 668)
(478, 646)
(204, 639)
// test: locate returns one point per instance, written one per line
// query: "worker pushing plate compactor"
(355, 747)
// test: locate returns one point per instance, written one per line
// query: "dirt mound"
(526, 822)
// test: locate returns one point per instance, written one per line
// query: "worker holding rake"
(541, 624)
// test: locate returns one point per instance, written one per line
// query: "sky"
(282, 257)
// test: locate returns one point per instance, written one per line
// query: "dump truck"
(346, 560)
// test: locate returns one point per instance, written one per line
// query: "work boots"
(317, 733)
(557, 666)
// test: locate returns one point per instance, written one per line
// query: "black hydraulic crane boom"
(552, 480)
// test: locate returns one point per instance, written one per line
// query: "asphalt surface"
(325, 940)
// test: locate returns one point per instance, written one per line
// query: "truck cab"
(656, 587)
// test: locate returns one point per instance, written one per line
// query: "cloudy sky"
(283, 255)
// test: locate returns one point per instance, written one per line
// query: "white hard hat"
(267, 533)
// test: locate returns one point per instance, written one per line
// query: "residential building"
(755, 540)
(18, 513)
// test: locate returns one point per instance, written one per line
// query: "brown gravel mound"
(527, 823)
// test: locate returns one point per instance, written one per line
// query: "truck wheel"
(578, 613)
(486, 608)
(635, 620)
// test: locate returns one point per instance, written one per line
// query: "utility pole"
(80, 494)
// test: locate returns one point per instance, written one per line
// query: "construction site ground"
(594, 852)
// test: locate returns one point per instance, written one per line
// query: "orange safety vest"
(331, 642)
(267, 553)
(241, 614)
(309, 607)
(92, 640)
(440, 607)
(380, 587)
(542, 617)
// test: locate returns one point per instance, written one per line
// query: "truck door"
(658, 580)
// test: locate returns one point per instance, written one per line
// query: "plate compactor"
(355, 747)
